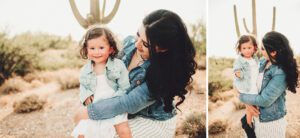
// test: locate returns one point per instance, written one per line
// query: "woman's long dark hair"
(284, 58)
(170, 71)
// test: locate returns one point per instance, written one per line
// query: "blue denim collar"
(243, 60)
(88, 68)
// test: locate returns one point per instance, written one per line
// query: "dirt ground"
(55, 120)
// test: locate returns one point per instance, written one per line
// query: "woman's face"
(265, 54)
(141, 43)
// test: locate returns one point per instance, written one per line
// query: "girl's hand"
(89, 100)
(237, 74)
(252, 110)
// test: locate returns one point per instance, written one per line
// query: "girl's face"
(247, 49)
(141, 44)
(98, 49)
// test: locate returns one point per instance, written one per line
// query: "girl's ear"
(111, 50)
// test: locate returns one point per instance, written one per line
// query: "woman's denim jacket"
(271, 98)
(137, 101)
(116, 76)
(242, 83)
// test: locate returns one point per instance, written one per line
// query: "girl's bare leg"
(123, 130)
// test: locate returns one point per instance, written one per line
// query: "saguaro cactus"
(254, 26)
(95, 16)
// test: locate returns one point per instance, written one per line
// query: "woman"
(278, 72)
(160, 67)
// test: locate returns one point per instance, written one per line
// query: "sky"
(222, 36)
(56, 17)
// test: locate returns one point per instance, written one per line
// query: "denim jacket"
(116, 76)
(137, 101)
(271, 98)
(243, 83)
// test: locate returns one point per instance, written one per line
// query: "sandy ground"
(227, 112)
(55, 120)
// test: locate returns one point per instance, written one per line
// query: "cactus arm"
(254, 31)
(245, 25)
(109, 17)
(94, 11)
(236, 22)
(83, 22)
(274, 19)
(103, 10)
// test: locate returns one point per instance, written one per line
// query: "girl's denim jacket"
(116, 77)
(243, 83)
(138, 101)
(271, 98)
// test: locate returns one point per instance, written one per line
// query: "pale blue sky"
(56, 17)
(221, 30)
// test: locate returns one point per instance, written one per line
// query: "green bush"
(198, 37)
(14, 59)
(217, 82)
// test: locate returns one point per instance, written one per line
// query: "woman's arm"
(269, 94)
(136, 100)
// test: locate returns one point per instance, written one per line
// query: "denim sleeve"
(237, 66)
(123, 81)
(84, 93)
(269, 94)
(136, 100)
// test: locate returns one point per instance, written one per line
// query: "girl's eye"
(92, 48)
(101, 47)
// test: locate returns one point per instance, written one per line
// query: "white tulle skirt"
(98, 128)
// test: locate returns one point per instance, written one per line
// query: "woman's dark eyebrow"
(138, 34)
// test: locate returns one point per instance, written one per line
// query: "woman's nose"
(138, 44)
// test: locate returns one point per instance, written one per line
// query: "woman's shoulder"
(115, 63)
(277, 70)
(129, 44)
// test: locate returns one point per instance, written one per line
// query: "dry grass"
(28, 104)
(238, 105)
(14, 85)
(219, 96)
(195, 126)
(68, 79)
(218, 126)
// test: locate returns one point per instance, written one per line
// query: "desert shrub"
(238, 105)
(219, 96)
(218, 126)
(28, 104)
(41, 41)
(68, 79)
(217, 82)
(14, 59)
(195, 125)
(14, 85)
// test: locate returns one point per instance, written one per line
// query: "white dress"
(99, 128)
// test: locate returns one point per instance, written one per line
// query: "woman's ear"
(273, 54)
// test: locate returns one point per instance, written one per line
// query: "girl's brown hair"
(244, 39)
(96, 32)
